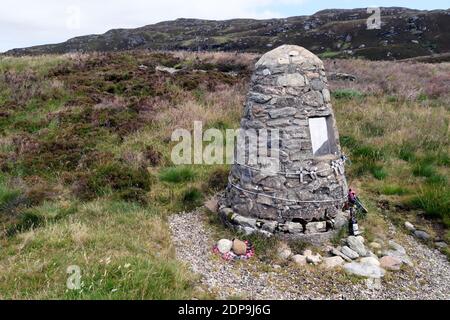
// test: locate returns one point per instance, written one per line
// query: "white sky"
(33, 22)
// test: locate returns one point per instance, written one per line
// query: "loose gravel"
(253, 279)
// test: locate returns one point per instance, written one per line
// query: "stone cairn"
(303, 199)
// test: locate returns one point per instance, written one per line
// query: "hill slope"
(405, 33)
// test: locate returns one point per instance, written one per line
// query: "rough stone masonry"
(304, 199)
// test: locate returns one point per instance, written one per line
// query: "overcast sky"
(32, 22)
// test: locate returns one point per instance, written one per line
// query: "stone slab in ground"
(336, 252)
(422, 235)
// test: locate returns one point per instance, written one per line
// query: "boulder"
(357, 245)
(370, 260)
(166, 69)
(422, 235)
(349, 253)
(397, 254)
(338, 253)
(284, 252)
(441, 244)
(394, 245)
(314, 259)
(299, 260)
(409, 226)
(391, 263)
(239, 247)
(224, 245)
(364, 270)
(342, 76)
(333, 262)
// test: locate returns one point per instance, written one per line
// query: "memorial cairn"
(297, 188)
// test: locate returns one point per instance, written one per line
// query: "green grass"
(39, 215)
(177, 174)
(407, 152)
(424, 170)
(368, 153)
(378, 172)
(371, 129)
(345, 94)
(192, 198)
(133, 278)
(8, 197)
(40, 65)
(113, 266)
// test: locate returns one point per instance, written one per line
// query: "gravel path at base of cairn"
(429, 279)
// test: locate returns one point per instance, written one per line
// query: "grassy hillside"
(86, 177)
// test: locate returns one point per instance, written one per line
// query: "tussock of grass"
(406, 152)
(378, 172)
(191, 198)
(8, 197)
(39, 215)
(347, 94)
(95, 128)
(424, 170)
(434, 200)
(368, 153)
